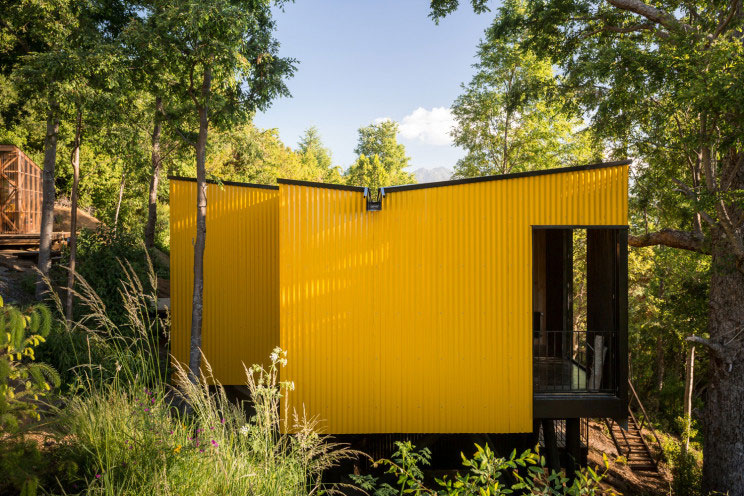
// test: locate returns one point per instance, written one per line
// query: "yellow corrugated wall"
(241, 275)
(417, 318)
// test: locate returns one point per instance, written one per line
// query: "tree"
(368, 172)
(311, 144)
(33, 40)
(381, 139)
(663, 81)
(225, 56)
(509, 118)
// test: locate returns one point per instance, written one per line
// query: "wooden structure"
(439, 308)
(20, 192)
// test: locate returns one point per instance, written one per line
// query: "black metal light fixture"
(376, 205)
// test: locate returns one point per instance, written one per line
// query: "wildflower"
(214, 443)
(98, 476)
(222, 421)
(147, 409)
(244, 430)
(274, 357)
(177, 449)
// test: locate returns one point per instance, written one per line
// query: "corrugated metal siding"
(241, 307)
(418, 318)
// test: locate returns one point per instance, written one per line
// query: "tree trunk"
(73, 215)
(152, 205)
(47, 205)
(659, 361)
(689, 381)
(723, 430)
(121, 197)
(201, 229)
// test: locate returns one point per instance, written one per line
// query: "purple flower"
(222, 421)
(171, 433)
(198, 431)
(98, 476)
(147, 409)
(201, 451)
(214, 443)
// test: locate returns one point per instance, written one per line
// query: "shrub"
(687, 475)
(130, 432)
(486, 474)
(96, 348)
(22, 380)
(98, 261)
(134, 441)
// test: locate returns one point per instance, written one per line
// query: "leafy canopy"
(381, 139)
(511, 117)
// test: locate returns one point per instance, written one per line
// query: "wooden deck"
(8, 241)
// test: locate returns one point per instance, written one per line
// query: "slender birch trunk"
(121, 197)
(152, 205)
(201, 228)
(73, 214)
(47, 205)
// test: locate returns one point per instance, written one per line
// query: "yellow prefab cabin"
(441, 308)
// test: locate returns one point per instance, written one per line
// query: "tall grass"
(128, 431)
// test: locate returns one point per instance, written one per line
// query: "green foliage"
(22, 380)
(315, 155)
(99, 256)
(511, 117)
(130, 439)
(486, 474)
(368, 172)
(668, 301)
(381, 139)
(685, 464)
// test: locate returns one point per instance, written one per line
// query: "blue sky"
(363, 60)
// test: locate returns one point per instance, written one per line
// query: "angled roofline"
(228, 183)
(408, 187)
(312, 184)
(498, 177)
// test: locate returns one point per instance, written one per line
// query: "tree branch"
(651, 13)
(672, 238)
(724, 22)
(720, 350)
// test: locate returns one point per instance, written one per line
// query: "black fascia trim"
(312, 184)
(581, 226)
(226, 183)
(499, 177)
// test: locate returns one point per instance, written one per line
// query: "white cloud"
(380, 120)
(429, 126)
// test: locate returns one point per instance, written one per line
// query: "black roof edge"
(498, 177)
(227, 183)
(312, 184)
